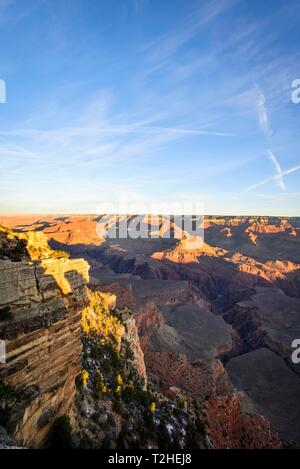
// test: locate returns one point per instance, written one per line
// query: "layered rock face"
(42, 294)
(133, 340)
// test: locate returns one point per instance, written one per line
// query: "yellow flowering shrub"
(100, 385)
(119, 380)
(119, 385)
(152, 407)
(84, 377)
(98, 319)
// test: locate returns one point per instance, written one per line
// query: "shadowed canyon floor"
(214, 319)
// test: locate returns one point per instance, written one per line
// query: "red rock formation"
(229, 427)
(198, 380)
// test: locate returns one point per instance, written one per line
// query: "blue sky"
(164, 100)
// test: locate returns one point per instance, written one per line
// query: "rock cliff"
(42, 294)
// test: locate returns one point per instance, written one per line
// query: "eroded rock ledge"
(42, 294)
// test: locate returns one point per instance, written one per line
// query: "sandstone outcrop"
(44, 297)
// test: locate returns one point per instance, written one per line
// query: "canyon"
(215, 320)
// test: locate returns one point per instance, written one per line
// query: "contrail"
(190, 131)
(279, 177)
(126, 129)
(265, 181)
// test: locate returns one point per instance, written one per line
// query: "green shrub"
(8, 397)
(164, 438)
(192, 437)
(85, 442)
(200, 426)
(61, 436)
(6, 314)
(117, 406)
(19, 252)
(120, 444)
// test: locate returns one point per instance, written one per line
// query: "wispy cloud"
(111, 129)
(183, 131)
(139, 5)
(161, 49)
(263, 114)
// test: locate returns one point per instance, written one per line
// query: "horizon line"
(91, 214)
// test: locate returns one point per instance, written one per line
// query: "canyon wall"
(196, 311)
(42, 294)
